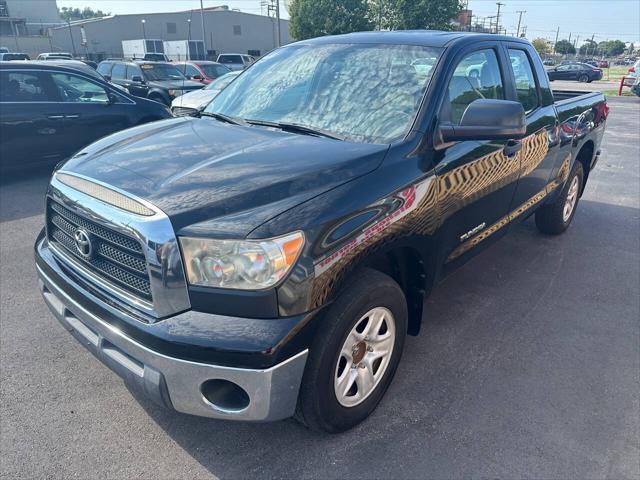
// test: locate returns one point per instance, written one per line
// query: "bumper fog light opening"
(225, 396)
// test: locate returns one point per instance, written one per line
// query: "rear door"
(31, 123)
(538, 154)
(476, 179)
(134, 81)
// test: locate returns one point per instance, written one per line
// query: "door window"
(476, 76)
(104, 68)
(118, 72)
(23, 87)
(133, 71)
(189, 70)
(74, 89)
(525, 81)
(564, 68)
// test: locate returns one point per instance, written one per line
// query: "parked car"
(4, 50)
(48, 111)
(7, 57)
(634, 71)
(193, 102)
(236, 61)
(603, 64)
(549, 61)
(55, 56)
(91, 63)
(158, 81)
(581, 72)
(269, 257)
(202, 71)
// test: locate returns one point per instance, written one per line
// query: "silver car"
(236, 61)
(191, 103)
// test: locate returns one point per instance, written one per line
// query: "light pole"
(144, 33)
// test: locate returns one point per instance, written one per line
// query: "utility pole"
(498, 17)
(204, 36)
(519, 20)
(556, 42)
(278, 21)
(592, 42)
(73, 44)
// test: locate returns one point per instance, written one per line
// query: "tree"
(314, 18)
(565, 47)
(68, 13)
(541, 45)
(589, 47)
(631, 49)
(612, 48)
(414, 14)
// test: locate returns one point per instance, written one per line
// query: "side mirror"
(486, 119)
(107, 77)
(137, 79)
(196, 77)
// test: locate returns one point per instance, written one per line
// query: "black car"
(582, 72)
(49, 110)
(268, 257)
(159, 81)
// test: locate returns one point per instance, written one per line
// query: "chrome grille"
(117, 258)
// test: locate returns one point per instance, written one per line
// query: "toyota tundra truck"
(267, 258)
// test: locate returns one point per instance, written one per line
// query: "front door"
(476, 179)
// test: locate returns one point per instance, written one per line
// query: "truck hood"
(214, 178)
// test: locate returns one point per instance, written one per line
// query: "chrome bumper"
(271, 394)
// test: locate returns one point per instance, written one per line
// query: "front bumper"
(192, 387)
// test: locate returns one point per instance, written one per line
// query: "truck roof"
(427, 38)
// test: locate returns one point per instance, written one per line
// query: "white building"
(226, 31)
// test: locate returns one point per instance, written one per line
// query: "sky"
(604, 19)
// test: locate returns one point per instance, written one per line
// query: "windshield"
(363, 92)
(161, 71)
(221, 82)
(214, 71)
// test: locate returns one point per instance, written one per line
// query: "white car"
(236, 61)
(191, 103)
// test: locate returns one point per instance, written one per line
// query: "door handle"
(512, 147)
(55, 117)
(72, 115)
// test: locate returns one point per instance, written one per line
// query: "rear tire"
(554, 218)
(366, 320)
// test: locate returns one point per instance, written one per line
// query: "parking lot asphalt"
(527, 367)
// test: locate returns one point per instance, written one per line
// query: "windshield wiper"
(297, 128)
(223, 118)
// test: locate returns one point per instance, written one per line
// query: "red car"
(603, 64)
(202, 71)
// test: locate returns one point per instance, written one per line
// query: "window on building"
(171, 27)
(237, 30)
(476, 76)
(525, 81)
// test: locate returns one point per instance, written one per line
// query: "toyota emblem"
(83, 243)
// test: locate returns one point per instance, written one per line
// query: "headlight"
(175, 93)
(240, 264)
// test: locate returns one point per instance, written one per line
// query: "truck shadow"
(22, 193)
(500, 363)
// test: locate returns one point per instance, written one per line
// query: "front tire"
(555, 218)
(355, 354)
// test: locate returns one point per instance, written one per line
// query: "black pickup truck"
(267, 258)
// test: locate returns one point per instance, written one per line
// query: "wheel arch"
(410, 268)
(585, 157)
